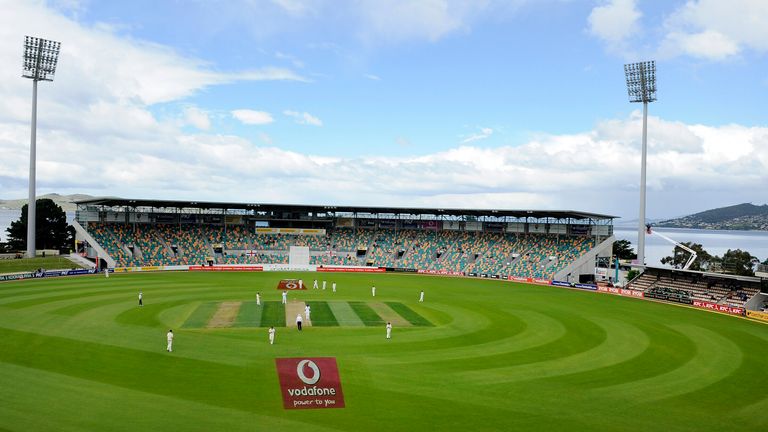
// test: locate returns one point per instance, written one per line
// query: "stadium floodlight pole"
(641, 86)
(40, 58)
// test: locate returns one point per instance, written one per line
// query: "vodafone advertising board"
(310, 382)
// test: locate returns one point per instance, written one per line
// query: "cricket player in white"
(285, 297)
(271, 335)
(141, 295)
(307, 310)
(333, 286)
(169, 337)
(106, 273)
(314, 284)
(301, 283)
(421, 297)
(258, 299)
(373, 291)
(323, 284)
(298, 321)
(389, 330)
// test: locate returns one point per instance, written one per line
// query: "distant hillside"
(65, 201)
(737, 217)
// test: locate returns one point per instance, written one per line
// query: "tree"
(739, 262)
(680, 256)
(622, 249)
(632, 274)
(51, 228)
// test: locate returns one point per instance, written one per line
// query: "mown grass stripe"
(344, 314)
(273, 314)
(322, 316)
(409, 314)
(200, 317)
(249, 315)
(368, 316)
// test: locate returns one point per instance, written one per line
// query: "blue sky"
(515, 104)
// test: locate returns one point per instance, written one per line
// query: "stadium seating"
(722, 292)
(529, 255)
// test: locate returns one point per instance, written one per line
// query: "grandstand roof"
(538, 214)
(710, 275)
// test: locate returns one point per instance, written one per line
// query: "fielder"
(323, 284)
(271, 335)
(169, 338)
(301, 283)
(106, 273)
(314, 284)
(373, 291)
(258, 299)
(421, 297)
(307, 310)
(389, 330)
(285, 297)
(298, 321)
(333, 286)
(141, 295)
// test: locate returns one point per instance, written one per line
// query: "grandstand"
(686, 286)
(489, 243)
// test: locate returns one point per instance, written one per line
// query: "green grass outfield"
(79, 354)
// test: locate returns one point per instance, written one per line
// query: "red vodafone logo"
(309, 383)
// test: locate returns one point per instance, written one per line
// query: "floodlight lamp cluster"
(40, 58)
(641, 81)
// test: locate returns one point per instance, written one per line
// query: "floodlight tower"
(40, 58)
(641, 86)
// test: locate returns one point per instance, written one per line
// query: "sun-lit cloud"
(484, 133)
(304, 118)
(251, 117)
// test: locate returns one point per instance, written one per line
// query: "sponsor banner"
(224, 268)
(345, 223)
(763, 316)
(431, 225)
(351, 269)
(366, 223)
(291, 284)
(540, 281)
(718, 308)
(561, 283)
(151, 268)
(387, 224)
(291, 231)
(409, 224)
(16, 276)
(309, 383)
(441, 272)
(590, 287)
(520, 279)
(581, 229)
(621, 291)
(399, 270)
(288, 267)
(73, 272)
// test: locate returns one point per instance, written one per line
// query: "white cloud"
(251, 117)
(615, 21)
(717, 30)
(197, 118)
(372, 77)
(303, 118)
(483, 134)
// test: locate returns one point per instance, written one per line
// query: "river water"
(715, 242)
